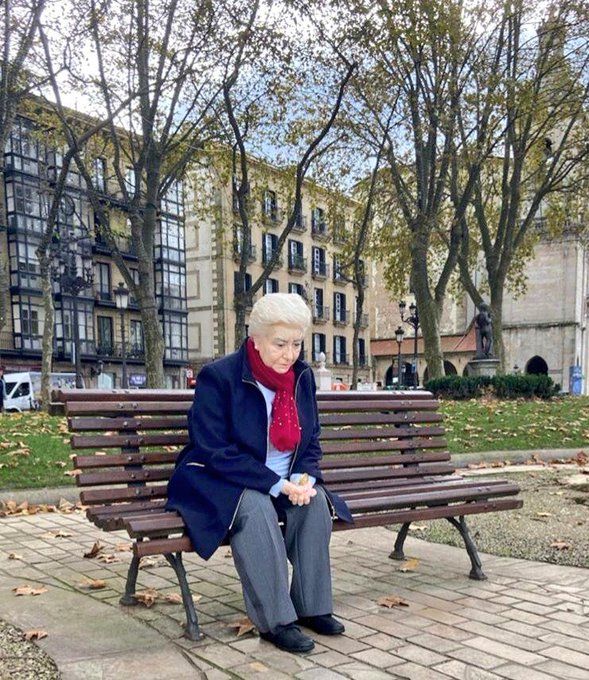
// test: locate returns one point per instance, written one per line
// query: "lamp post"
(73, 271)
(399, 333)
(122, 302)
(413, 321)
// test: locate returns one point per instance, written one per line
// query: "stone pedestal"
(322, 375)
(480, 367)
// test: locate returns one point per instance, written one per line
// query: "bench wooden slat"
(375, 418)
(417, 486)
(86, 423)
(117, 460)
(384, 445)
(127, 408)
(87, 395)
(104, 441)
(332, 463)
(124, 476)
(379, 405)
(122, 494)
(367, 474)
(329, 434)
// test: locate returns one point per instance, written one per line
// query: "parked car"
(23, 390)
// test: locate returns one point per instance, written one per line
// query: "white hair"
(279, 308)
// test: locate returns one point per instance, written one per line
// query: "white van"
(23, 390)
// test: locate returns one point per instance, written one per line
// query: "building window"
(64, 326)
(247, 281)
(135, 276)
(27, 322)
(339, 308)
(270, 286)
(136, 339)
(338, 274)
(104, 335)
(319, 265)
(169, 240)
(171, 285)
(296, 258)
(270, 205)
(297, 289)
(339, 350)
(24, 265)
(269, 245)
(176, 336)
(130, 180)
(173, 200)
(103, 282)
(318, 345)
(318, 225)
(99, 172)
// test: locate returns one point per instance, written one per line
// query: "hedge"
(501, 386)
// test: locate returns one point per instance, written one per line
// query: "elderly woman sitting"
(253, 462)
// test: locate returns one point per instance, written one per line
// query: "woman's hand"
(299, 494)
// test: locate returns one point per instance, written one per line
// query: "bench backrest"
(130, 438)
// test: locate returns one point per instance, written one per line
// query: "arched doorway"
(449, 369)
(537, 366)
(388, 377)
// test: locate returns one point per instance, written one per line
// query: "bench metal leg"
(476, 573)
(192, 630)
(398, 553)
(128, 599)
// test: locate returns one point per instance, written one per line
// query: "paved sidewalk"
(528, 621)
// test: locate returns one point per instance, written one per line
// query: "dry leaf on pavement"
(147, 596)
(242, 626)
(391, 601)
(92, 583)
(14, 556)
(173, 598)
(123, 547)
(410, 565)
(94, 550)
(34, 634)
(108, 559)
(60, 533)
(29, 590)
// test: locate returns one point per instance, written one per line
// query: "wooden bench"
(384, 452)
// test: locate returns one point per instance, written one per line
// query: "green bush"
(502, 386)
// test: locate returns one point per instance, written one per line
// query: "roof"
(461, 343)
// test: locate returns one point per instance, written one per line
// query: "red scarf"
(285, 431)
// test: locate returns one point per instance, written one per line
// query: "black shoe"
(325, 624)
(289, 638)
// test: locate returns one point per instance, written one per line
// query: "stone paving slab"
(528, 621)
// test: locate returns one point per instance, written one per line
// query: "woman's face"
(280, 346)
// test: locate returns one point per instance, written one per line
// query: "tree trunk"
(428, 310)
(240, 312)
(48, 331)
(152, 328)
(496, 307)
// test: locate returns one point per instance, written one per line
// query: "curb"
(52, 496)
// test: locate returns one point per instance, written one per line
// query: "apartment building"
(90, 317)
(310, 264)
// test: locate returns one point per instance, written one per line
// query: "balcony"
(297, 264)
(341, 359)
(300, 225)
(103, 295)
(341, 317)
(272, 216)
(237, 252)
(114, 350)
(339, 278)
(363, 320)
(319, 230)
(320, 270)
(125, 246)
(268, 256)
(320, 314)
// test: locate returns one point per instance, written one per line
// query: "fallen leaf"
(60, 463)
(60, 533)
(173, 598)
(123, 547)
(94, 550)
(72, 473)
(417, 527)
(35, 634)
(65, 506)
(391, 601)
(109, 559)
(242, 626)
(29, 590)
(409, 565)
(92, 583)
(560, 545)
(152, 562)
(543, 514)
(147, 596)
(14, 556)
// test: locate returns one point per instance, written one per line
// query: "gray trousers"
(260, 553)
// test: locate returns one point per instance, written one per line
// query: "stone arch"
(449, 369)
(537, 366)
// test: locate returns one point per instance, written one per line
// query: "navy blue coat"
(228, 428)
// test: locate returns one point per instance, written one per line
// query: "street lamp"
(73, 271)
(399, 333)
(413, 321)
(122, 302)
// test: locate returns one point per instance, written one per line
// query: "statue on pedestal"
(484, 332)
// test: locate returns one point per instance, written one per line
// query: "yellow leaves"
(241, 626)
(410, 565)
(391, 601)
(14, 556)
(150, 596)
(72, 473)
(29, 590)
(59, 533)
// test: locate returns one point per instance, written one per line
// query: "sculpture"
(484, 332)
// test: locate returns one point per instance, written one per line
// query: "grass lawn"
(35, 452)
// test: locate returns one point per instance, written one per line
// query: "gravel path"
(23, 660)
(552, 514)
